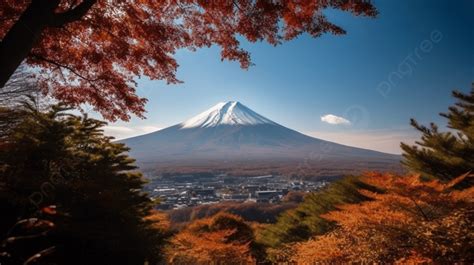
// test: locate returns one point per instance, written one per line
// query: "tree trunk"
(23, 35)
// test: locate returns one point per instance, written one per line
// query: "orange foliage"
(90, 51)
(159, 220)
(222, 239)
(409, 222)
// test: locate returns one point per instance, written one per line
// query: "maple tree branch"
(61, 19)
(419, 209)
(237, 6)
(39, 57)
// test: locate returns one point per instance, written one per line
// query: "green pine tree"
(61, 164)
(445, 155)
(305, 221)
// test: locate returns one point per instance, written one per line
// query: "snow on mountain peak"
(226, 113)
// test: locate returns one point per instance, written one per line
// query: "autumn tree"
(221, 239)
(61, 164)
(445, 155)
(91, 51)
(411, 222)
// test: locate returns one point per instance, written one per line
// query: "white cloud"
(122, 132)
(335, 120)
(118, 129)
(386, 140)
(149, 128)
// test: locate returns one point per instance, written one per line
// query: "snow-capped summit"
(226, 113)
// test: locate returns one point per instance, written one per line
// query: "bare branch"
(36, 257)
(20, 85)
(39, 57)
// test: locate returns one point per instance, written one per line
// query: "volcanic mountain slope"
(231, 132)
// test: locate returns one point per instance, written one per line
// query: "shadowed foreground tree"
(90, 51)
(56, 163)
(445, 155)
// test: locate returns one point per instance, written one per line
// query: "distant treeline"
(252, 212)
(309, 169)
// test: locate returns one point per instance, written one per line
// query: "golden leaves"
(222, 239)
(409, 222)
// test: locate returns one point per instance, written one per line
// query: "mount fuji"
(231, 133)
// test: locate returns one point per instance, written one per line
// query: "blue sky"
(386, 70)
